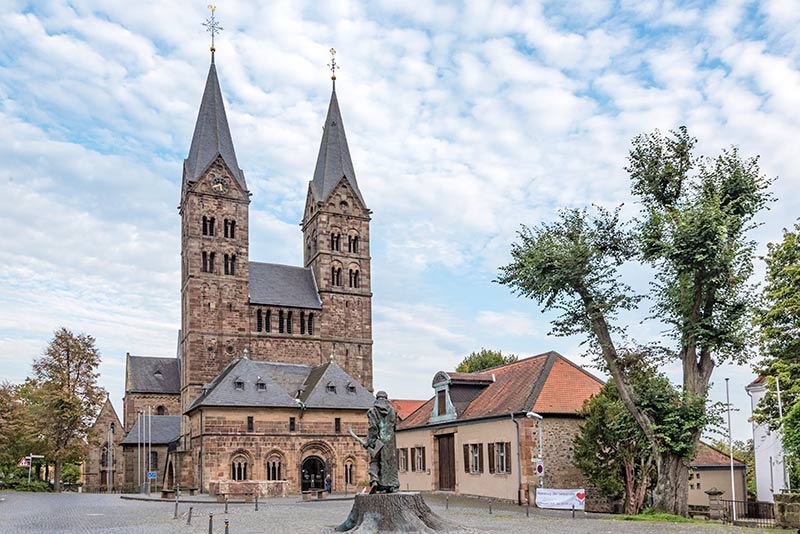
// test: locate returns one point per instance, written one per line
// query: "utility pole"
(730, 447)
(149, 445)
(786, 479)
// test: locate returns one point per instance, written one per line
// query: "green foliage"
(651, 515)
(693, 233)
(612, 451)
(778, 322)
(63, 397)
(71, 472)
(17, 480)
(484, 359)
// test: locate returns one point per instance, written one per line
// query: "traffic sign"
(538, 465)
(152, 474)
(24, 462)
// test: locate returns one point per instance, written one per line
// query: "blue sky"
(464, 121)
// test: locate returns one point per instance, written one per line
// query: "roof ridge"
(279, 264)
(522, 360)
(541, 380)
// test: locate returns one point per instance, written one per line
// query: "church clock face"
(219, 184)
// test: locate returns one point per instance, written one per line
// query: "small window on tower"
(205, 225)
(292, 424)
(249, 423)
(337, 425)
(302, 323)
(268, 321)
(280, 321)
(233, 230)
(310, 324)
(211, 262)
(211, 222)
(204, 267)
(289, 322)
(259, 321)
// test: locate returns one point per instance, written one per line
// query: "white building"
(770, 472)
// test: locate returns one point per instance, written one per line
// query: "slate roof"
(333, 161)
(212, 137)
(163, 430)
(283, 285)
(547, 384)
(708, 456)
(287, 386)
(147, 374)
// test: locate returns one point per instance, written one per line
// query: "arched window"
(230, 228)
(205, 225)
(160, 411)
(274, 467)
(355, 244)
(268, 321)
(349, 472)
(289, 322)
(239, 467)
(355, 279)
(310, 325)
(104, 455)
(211, 222)
(280, 321)
(302, 323)
(335, 240)
(208, 262)
(204, 268)
(336, 276)
(352, 244)
(259, 321)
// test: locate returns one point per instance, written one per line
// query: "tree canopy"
(484, 359)
(692, 234)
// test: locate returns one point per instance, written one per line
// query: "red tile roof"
(405, 407)
(547, 383)
(708, 456)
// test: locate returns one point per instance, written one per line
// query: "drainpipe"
(519, 463)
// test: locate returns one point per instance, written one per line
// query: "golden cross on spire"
(212, 27)
(333, 66)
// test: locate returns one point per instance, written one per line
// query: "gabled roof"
(212, 137)
(146, 374)
(405, 407)
(328, 386)
(708, 456)
(287, 386)
(161, 430)
(547, 384)
(107, 407)
(283, 285)
(333, 161)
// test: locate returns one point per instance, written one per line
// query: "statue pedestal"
(387, 513)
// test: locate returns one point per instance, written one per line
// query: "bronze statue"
(381, 445)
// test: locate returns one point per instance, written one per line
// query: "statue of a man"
(382, 446)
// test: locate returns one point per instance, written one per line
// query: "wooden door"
(447, 462)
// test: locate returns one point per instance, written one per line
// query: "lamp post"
(534, 415)
(730, 448)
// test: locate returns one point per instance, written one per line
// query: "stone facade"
(158, 404)
(102, 460)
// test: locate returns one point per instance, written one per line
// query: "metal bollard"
(226, 526)
(573, 511)
(447, 502)
(189, 517)
(256, 502)
(226, 504)
(211, 523)
(490, 507)
(527, 508)
(176, 507)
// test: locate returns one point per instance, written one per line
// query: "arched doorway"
(170, 482)
(312, 474)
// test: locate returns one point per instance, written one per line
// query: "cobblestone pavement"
(33, 513)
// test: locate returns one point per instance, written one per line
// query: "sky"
(465, 120)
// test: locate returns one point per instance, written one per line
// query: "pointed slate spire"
(333, 161)
(212, 137)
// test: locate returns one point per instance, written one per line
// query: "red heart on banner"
(580, 495)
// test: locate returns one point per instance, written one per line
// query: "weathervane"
(333, 66)
(213, 27)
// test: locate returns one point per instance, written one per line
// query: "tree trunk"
(57, 475)
(671, 493)
(388, 513)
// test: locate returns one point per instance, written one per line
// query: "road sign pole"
(30, 462)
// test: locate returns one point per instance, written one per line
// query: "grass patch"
(652, 515)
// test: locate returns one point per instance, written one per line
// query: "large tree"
(778, 323)
(64, 397)
(484, 359)
(612, 451)
(13, 428)
(692, 237)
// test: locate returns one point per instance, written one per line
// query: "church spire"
(212, 137)
(333, 161)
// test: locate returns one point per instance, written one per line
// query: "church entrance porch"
(312, 474)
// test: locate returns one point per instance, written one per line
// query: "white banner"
(563, 499)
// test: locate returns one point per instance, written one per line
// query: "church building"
(274, 362)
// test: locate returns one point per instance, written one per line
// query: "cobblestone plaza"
(109, 514)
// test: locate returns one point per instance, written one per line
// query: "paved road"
(38, 513)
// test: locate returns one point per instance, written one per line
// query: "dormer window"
(238, 384)
(443, 409)
(351, 388)
(331, 387)
(158, 374)
(261, 385)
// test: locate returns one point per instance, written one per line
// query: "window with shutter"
(422, 453)
(413, 461)
(508, 461)
(491, 457)
(466, 458)
(480, 458)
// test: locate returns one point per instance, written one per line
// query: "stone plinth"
(787, 510)
(389, 513)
